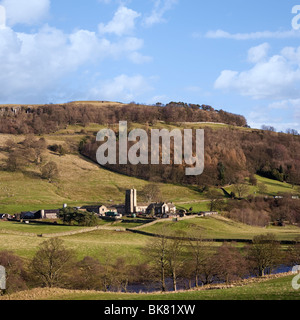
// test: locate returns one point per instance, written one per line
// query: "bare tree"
(262, 188)
(230, 263)
(241, 190)
(152, 193)
(216, 200)
(16, 160)
(86, 275)
(50, 171)
(50, 262)
(15, 272)
(292, 256)
(197, 253)
(157, 251)
(175, 260)
(264, 253)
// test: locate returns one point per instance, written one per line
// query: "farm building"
(99, 210)
(162, 209)
(40, 214)
(208, 213)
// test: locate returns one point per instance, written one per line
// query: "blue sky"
(239, 56)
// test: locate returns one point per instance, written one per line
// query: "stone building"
(130, 201)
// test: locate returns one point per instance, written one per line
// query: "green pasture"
(218, 227)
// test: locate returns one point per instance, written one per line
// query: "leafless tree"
(230, 263)
(16, 275)
(241, 189)
(264, 253)
(50, 171)
(157, 251)
(51, 261)
(152, 193)
(175, 249)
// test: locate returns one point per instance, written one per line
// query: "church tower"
(130, 201)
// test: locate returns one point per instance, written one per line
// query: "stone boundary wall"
(61, 234)
(18, 233)
(70, 233)
(154, 235)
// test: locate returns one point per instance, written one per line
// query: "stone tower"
(130, 201)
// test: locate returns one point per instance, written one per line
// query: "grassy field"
(94, 243)
(131, 245)
(218, 227)
(35, 227)
(273, 187)
(258, 289)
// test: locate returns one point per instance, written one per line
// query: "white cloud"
(138, 58)
(35, 66)
(2, 17)
(121, 88)
(221, 34)
(258, 53)
(282, 115)
(32, 65)
(25, 11)
(276, 77)
(158, 12)
(123, 22)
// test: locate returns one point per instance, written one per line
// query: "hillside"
(232, 154)
(229, 157)
(233, 151)
(80, 182)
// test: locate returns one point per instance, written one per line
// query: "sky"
(239, 56)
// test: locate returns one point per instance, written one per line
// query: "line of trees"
(201, 263)
(261, 211)
(196, 262)
(51, 118)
